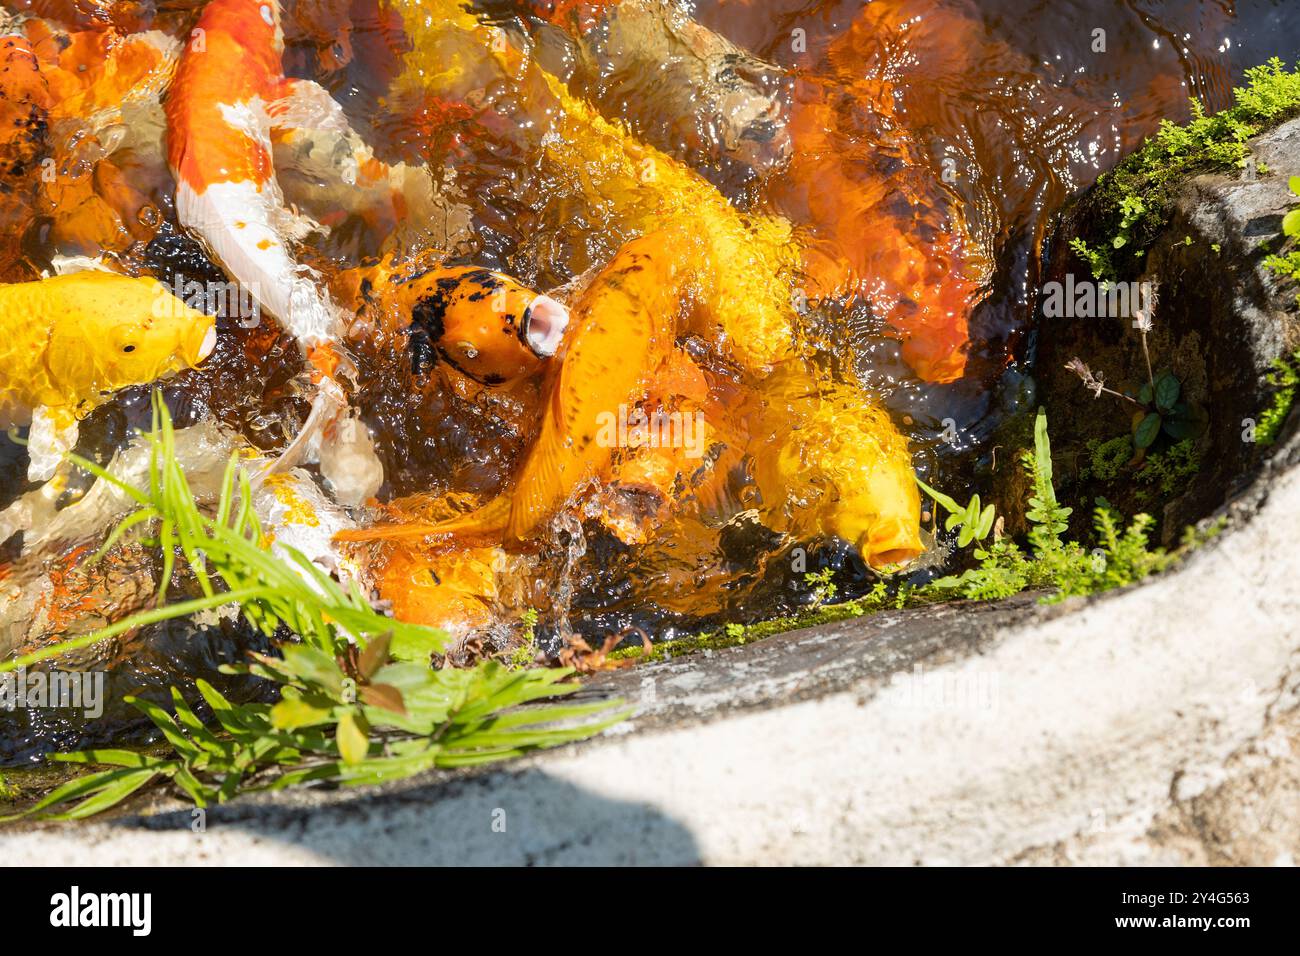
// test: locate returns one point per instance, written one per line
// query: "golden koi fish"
(71, 341)
(593, 170)
(848, 472)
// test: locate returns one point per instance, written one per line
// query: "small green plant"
(525, 655)
(1159, 408)
(972, 523)
(735, 632)
(1291, 221)
(824, 589)
(1167, 473)
(1167, 414)
(359, 700)
(1049, 519)
(1285, 377)
(1287, 265)
(1098, 260)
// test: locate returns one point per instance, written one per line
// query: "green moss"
(1285, 377)
(737, 635)
(1131, 203)
(1166, 474)
(1285, 265)
(1106, 459)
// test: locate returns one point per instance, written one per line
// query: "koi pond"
(552, 325)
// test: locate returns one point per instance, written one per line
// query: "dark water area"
(988, 115)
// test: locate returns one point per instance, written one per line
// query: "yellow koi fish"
(848, 474)
(69, 342)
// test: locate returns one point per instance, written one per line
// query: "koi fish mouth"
(543, 327)
(208, 344)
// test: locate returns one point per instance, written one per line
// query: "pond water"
(916, 150)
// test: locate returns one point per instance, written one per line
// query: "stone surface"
(1156, 725)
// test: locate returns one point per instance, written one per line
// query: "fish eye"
(128, 348)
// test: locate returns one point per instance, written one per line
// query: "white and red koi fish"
(229, 95)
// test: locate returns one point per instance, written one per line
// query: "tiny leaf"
(1147, 430)
(353, 744)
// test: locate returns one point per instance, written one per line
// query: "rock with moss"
(1194, 215)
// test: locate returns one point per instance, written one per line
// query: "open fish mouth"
(543, 327)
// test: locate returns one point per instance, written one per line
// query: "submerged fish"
(24, 142)
(65, 96)
(874, 217)
(451, 589)
(678, 85)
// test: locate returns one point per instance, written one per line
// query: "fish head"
(143, 335)
(485, 324)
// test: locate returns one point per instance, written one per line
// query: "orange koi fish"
(24, 142)
(873, 219)
(451, 590)
(484, 324)
(70, 89)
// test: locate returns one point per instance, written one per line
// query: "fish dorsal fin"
(626, 325)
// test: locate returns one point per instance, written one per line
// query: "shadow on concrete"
(522, 818)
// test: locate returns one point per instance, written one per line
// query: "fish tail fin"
(487, 523)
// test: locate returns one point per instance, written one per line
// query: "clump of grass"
(1285, 378)
(1132, 202)
(359, 701)
(1122, 556)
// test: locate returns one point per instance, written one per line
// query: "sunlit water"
(998, 109)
